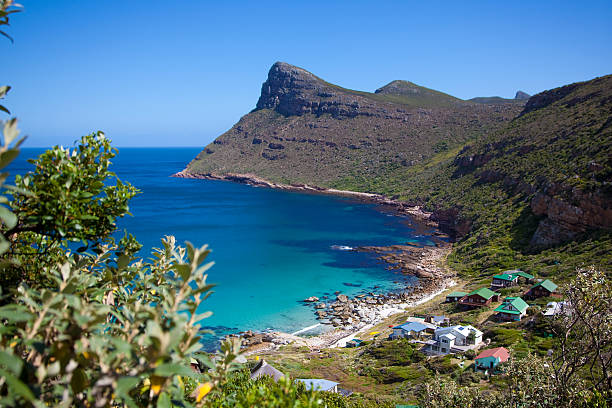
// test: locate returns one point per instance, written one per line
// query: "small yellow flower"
(156, 384)
(13, 344)
(256, 358)
(202, 390)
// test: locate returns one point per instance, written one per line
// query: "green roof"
(520, 273)
(517, 303)
(546, 284)
(484, 292)
(456, 294)
(505, 276)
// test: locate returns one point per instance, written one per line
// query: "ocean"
(271, 248)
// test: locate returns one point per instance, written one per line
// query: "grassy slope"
(554, 144)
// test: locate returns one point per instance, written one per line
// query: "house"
(454, 296)
(504, 280)
(263, 368)
(489, 359)
(354, 343)
(545, 288)
(319, 384)
(556, 308)
(411, 330)
(454, 339)
(520, 274)
(479, 298)
(512, 309)
(438, 320)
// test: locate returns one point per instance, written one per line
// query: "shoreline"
(351, 317)
(366, 313)
(416, 211)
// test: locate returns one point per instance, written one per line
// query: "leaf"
(122, 261)
(17, 386)
(164, 401)
(11, 361)
(170, 369)
(124, 386)
(184, 271)
(10, 131)
(15, 313)
(8, 156)
(3, 90)
(9, 219)
(79, 380)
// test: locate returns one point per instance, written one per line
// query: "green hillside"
(307, 131)
(520, 185)
(536, 194)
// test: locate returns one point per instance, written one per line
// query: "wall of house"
(485, 363)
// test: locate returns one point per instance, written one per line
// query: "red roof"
(500, 353)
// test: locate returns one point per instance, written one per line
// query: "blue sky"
(163, 73)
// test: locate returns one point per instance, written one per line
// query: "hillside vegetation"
(535, 194)
(307, 131)
(518, 183)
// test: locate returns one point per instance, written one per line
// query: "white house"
(454, 339)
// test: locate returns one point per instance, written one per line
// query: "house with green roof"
(510, 278)
(504, 280)
(479, 298)
(455, 296)
(512, 309)
(520, 274)
(546, 288)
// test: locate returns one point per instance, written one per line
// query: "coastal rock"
(342, 298)
(565, 218)
(311, 299)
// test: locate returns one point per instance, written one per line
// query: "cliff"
(305, 130)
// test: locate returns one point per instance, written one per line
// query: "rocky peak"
(285, 81)
(292, 91)
(522, 95)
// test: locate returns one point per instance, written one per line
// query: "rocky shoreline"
(350, 316)
(401, 208)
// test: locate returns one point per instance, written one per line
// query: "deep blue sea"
(271, 248)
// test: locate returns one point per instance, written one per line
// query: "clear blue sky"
(179, 73)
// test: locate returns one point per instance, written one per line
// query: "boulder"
(342, 298)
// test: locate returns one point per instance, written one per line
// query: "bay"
(271, 248)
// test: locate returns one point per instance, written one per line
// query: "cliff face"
(292, 91)
(307, 131)
(557, 155)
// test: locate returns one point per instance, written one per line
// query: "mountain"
(520, 98)
(525, 184)
(534, 194)
(305, 130)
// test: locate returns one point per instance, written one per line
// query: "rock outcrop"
(563, 220)
(521, 95)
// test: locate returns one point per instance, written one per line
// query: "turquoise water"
(271, 248)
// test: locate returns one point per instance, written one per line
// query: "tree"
(70, 196)
(584, 332)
